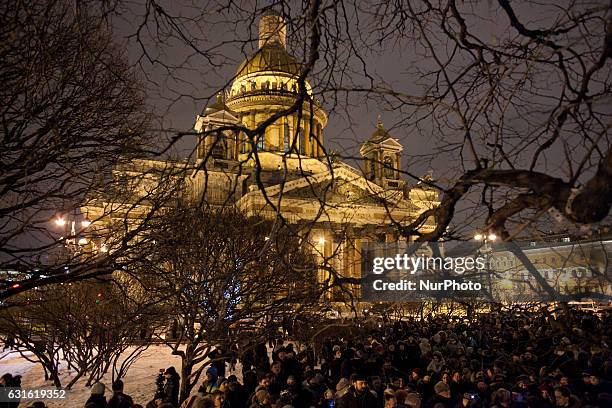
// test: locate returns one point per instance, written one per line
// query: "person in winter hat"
(342, 387)
(97, 398)
(437, 363)
(171, 387)
(425, 347)
(209, 385)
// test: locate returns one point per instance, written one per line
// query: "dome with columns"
(265, 84)
(271, 57)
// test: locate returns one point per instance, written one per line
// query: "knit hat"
(98, 389)
(212, 371)
(413, 400)
(441, 387)
(342, 384)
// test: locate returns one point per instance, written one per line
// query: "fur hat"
(98, 389)
(342, 384)
(441, 387)
(413, 400)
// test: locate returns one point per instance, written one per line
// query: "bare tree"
(515, 110)
(72, 108)
(83, 327)
(512, 115)
(519, 107)
(217, 272)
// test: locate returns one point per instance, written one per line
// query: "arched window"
(243, 143)
(286, 138)
(261, 143)
(219, 148)
(372, 171)
(388, 166)
(302, 140)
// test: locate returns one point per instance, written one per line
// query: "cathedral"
(286, 171)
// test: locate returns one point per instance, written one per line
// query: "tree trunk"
(186, 369)
(55, 378)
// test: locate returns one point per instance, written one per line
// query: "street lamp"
(486, 250)
(69, 226)
(490, 237)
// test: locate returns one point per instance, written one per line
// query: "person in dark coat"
(358, 395)
(171, 387)
(234, 393)
(119, 399)
(8, 380)
(97, 398)
(442, 397)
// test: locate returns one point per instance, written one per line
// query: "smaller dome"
(379, 134)
(271, 57)
(219, 105)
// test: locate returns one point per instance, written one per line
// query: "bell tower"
(381, 156)
(213, 143)
(272, 29)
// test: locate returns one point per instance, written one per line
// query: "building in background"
(338, 207)
(570, 265)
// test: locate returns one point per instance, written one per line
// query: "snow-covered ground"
(139, 383)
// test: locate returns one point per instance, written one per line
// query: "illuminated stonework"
(267, 83)
(340, 207)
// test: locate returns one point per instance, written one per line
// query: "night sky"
(183, 74)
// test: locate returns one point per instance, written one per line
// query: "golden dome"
(380, 134)
(270, 57)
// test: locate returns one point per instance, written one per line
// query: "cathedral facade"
(285, 172)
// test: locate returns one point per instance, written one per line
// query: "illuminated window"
(388, 165)
(243, 144)
(219, 148)
(261, 143)
(286, 138)
(302, 141)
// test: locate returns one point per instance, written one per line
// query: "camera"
(470, 396)
(159, 382)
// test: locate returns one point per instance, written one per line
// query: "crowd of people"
(501, 360)
(496, 360)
